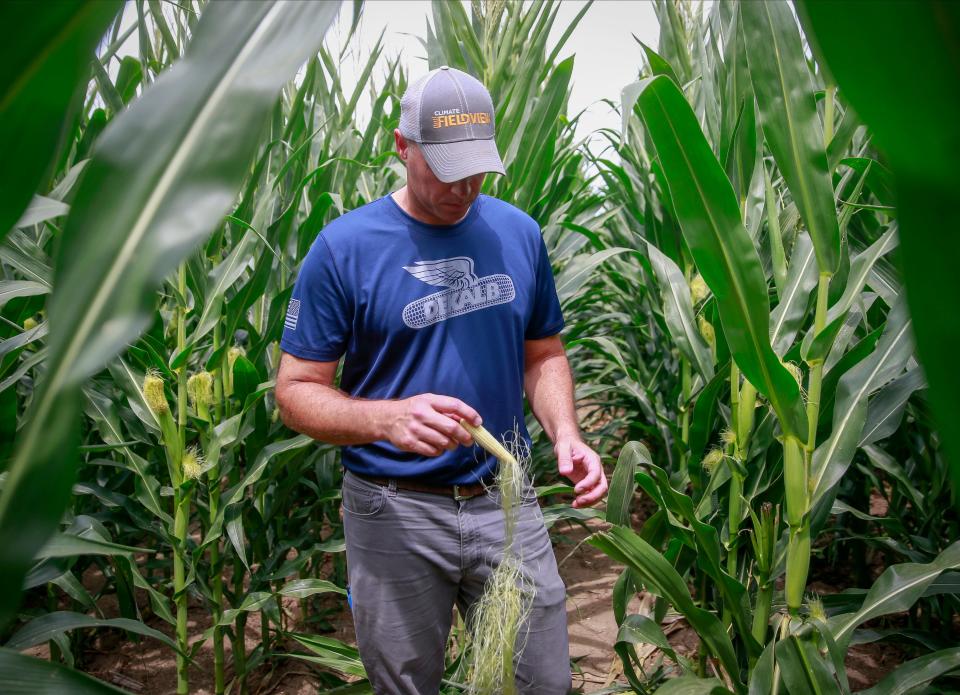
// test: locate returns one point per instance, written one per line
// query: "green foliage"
(745, 404)
(806, 445)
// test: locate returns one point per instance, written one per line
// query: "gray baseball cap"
(450, 114)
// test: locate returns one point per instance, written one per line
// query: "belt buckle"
(457, 496)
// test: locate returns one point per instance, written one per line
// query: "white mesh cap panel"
(410, 108)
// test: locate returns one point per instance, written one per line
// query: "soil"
(148, 667)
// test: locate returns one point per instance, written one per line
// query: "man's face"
(445, 203)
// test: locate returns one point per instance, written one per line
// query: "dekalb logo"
(466, 292)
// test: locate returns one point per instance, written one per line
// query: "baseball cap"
(450, 114)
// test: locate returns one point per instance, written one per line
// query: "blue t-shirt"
(420, 308)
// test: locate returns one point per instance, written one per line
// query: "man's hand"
(581, 464)
(429, 424)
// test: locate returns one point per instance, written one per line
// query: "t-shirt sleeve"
(319, 316)
(546, 319)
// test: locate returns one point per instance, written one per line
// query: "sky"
(607, 55)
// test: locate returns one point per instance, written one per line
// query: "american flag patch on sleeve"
(293, 312)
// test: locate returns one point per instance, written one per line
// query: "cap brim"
(452, 161)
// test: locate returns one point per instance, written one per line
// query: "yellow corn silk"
(503, 608)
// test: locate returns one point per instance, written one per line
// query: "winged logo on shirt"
(449, 272)
(466, 291)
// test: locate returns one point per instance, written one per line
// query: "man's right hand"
(429, 424)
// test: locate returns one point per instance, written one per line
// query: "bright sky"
(607, 56)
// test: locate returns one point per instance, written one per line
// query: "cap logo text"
(461, 119)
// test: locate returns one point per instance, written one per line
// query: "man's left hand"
(581, 464)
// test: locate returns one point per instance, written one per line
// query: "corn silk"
(496, 618)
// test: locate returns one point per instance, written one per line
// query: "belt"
(457, 492)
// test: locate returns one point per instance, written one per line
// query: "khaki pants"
(412, 556)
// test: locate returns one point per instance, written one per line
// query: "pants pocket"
(361, 497)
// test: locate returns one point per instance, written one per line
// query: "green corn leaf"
(885, 412)
(659, 575)
(301, 588)
(705, 411)
(678, 312)
(704, 539)
(658, 66)
(639, 629)
(817, 346)
(691, 685)
(331, 653)
(787, 318)
(32, 266)
(914, 674)
(577, 272)
(803, 669)
(44, 627)
(778, 256)
(788, 116)
(924, 164)
(623, 482)
(236, 493)
(101, 410)
(762, 677)
(20, 288)
(26, 675)
(541, 121)
(709, 217)
(44, 71)
(204, 116)
(832, 458)
(673, 39)
(41, 209)
(106, 88)
(223, 276)
(67, 545)
(897, 589)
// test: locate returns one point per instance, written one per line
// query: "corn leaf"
(44, 71)
(924, 164)
(802, 667)
(817, 346)
(623, 482)
(301, 588)
(639, 629)
(20, 288)
(659, 575)
(208, 109)
(26, 675)
(916, 673)
(44, 627)
(885, 412)
(832, 458)
(678, 313)
(709, 217)
(897, 589)
(236, 493)
(691, 685)
(787, 318)
(788, 117)
(704, 539)
(331, 653)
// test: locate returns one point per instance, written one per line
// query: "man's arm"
(309, 403)
(549, 386)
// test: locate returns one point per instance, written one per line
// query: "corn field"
(754, 269)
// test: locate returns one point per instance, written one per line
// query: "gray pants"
(412, 555)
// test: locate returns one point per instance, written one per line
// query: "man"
(443, 302)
